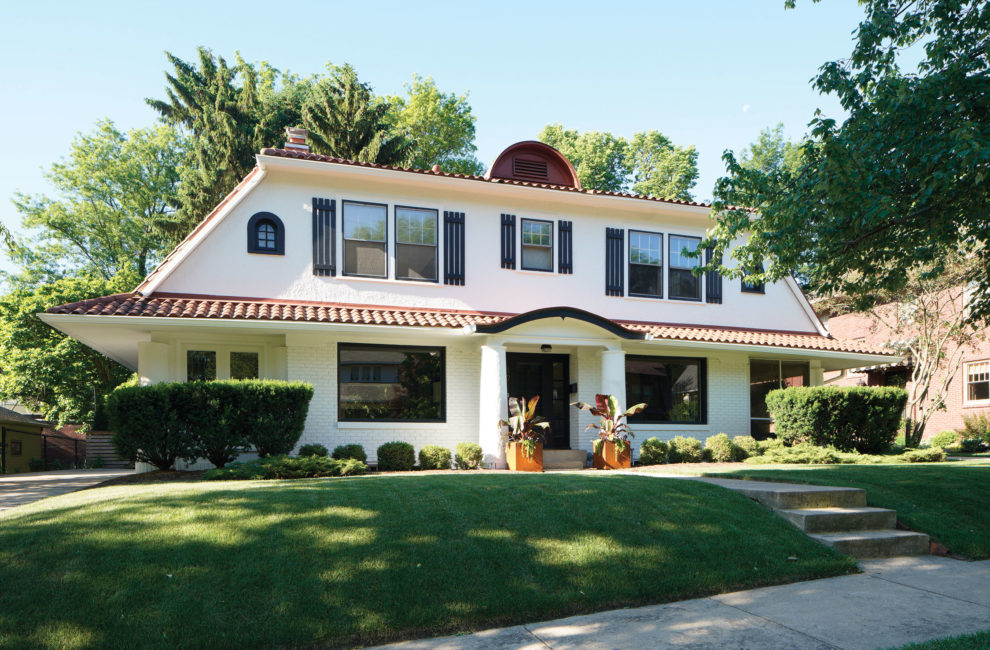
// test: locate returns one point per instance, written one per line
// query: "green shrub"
(971, 446)
(274, 414)
(976, 426)
(149, 424)
(434, 457)
(721, 449)
(36, 465)
(854, 418)
(284, 467)
(313, 449)
(468, 455)
(685, 450)
(746, 446)
(944, 439)
(930, 455)
(352, 450)
(802, 453)
(653, 451)
(211, 414)
(769, 444)
(396, 457)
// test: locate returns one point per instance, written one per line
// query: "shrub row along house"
(416, 301)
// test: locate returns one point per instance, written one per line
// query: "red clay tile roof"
(163, 305)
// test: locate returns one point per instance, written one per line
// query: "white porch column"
(152, 362)
(492, 404)
(816, 376)
(614, 375)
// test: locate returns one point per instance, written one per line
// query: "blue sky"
(709, 72)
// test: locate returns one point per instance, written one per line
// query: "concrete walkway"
(19, 489)
(895, 602)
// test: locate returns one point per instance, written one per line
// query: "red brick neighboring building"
(968, 392)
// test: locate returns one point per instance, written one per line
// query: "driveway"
(19, 489)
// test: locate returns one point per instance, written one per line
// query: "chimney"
(296, 139)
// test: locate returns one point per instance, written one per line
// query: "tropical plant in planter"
(611, 447)
(523, 435)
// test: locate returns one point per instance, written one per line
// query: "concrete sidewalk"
(19, 489)
(895, 602)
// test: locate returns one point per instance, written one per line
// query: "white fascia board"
(208, 228)
(806, 305)
(492, 188)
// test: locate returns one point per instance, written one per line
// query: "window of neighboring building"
(390, 383)
(15, 448)
(765, 376)
(365, 227)
(201, 365)
(977, 377)
(674, 389)
(684, 285)
(244, 365)
(537, 245)
(266, 235)
(645, 264)
(415, 244)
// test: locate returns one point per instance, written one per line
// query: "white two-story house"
(417, 301)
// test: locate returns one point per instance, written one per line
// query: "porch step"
(875, 543)
(832, 520)
(564, 459)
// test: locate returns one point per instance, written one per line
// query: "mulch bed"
(157, 476)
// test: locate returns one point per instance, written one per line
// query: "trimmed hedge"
(313, 449)
(353, 450)
(434, 457)
(853, 418)
(216, 420)
(654, 451)
(284, 467)
(468, 455)
(685, 450)
(721, 449)
(396, 456)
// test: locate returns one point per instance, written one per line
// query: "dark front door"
(546, 375)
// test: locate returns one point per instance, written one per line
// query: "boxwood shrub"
(685, 450)
(468, 455)
(396, 456)
(721, 449)
(944, 439)
(353, 450)
(854, 418)
(653, 451)
(434, 457)
(313, 449)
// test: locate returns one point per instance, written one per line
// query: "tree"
(45, 369)
(660, 168)
(598, 157)
(111, 192)
(772, 153)
(900, 186)
(441, 125)
(346, 120)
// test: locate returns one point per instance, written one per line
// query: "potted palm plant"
(611, 448)
(523, 435)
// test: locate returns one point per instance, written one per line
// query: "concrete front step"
(875, 543)
(564, 458)
(833, 520)
(788, 496)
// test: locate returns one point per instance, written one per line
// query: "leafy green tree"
(598, 157)
(772, 153)
(346, 120)
(440, 124)
(901, 185)
(111, 192)
(45, 369)
(660, 168)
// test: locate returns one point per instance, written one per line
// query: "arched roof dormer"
(534, 162)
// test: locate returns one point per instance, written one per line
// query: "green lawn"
(978, 641)
(369, 559)
(946, 500)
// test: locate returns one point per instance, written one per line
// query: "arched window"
(266, 234)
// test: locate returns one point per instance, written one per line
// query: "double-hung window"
(753, 287)
(684, 285)
(415, 244)
(977, 377)
(645, 264)
(537, 245)
(365, 239)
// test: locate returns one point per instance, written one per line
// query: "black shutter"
(508, 241)
(565, 261)
(324, 237)
(614, 261)
(713, 280)
(453, 248)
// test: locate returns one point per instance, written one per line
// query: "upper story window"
(753, 287)
(684, 285)
(365, 227)
(265, 234)
(977, 378)
(645, 264)
(415, 244)
(537, 245)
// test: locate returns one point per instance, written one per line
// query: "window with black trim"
(645, 264)
(537, 245)
(684, 284)
(16, 449)
(266, 234)
(365, 227)
(767, 375)
(415, 244)
(753, 287)
(675, 389)
(201, 365)
(398, 383)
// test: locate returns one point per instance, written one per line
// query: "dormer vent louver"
(530, 170)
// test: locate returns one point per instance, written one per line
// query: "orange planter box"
(515, 455)
(607, 458)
